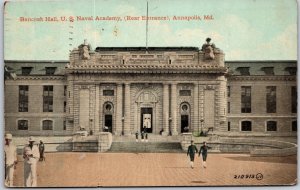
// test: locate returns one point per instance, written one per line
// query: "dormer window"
(50, 70)
(26, 70)
(244, 70)
(268, 70)
(291, 70)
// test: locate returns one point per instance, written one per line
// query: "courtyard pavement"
(160, 169)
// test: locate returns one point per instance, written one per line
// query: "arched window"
(271, 126)
(246, 126)
(47, 125)
(22, 124)
(108, 110)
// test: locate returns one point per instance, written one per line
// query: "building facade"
(160, 90)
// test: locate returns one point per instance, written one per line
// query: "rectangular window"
(294, 99)
(271, 126)
(22, 125)
(47, 125)
(271, 99)
(65, 125)
(246, 126)
(228, 91)
(246, 99)
(65, 90)
(228, 107)
(50, 70)
(48, 99)
(23, 98)
(65, 106)
(294, 125)
(228, 126)
(185, 92)
(26, 70)
(108, 92)
(244, 71)
(268, 70)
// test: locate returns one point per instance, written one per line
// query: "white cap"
(8, 136)
(31, 139)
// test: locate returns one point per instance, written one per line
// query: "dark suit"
(192, 149)
(203, 150)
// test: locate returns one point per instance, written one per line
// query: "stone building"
(160, 90)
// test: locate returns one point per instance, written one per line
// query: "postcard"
(150, 93)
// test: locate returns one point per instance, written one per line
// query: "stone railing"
(254, 147)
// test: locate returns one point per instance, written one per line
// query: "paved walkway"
(160, 169)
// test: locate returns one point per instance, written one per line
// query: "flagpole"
(147, 28)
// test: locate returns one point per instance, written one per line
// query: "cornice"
(262, 78)
(145, 69)
(33, 77)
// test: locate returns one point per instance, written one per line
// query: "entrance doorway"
(185, 123)
(146, 120)
(108, 123)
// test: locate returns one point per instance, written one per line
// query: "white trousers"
(30, 176)
(9, 178)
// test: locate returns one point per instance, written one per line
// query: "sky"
(243, 29)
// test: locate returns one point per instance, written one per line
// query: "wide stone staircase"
(154, 144)
(150, 147)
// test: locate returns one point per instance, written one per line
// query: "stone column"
(174, 108)
(166, 109)
(196, 108)
(119, 110)
(127, 110)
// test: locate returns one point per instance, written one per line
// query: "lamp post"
(201, 133)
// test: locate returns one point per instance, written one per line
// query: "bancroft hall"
(166, 92)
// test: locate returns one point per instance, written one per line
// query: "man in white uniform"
(10, 153)
(31, 156)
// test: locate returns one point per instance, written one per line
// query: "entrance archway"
(185, 125)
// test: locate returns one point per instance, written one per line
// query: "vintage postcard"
(150, 93)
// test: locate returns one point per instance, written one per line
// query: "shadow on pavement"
(198, 182)
(284, 159)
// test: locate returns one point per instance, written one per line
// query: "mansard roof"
(281, 67)
(257, 67)
(99, 49)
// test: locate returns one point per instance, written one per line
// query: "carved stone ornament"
(209, 87)
(84, 50)
(208, 49)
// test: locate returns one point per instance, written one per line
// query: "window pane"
(23, 98)
(48, 99)
(22, 125)
(271, 99)
(246, 126)
(246, 99)
(271, 126)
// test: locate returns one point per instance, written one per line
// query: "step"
(145, 147)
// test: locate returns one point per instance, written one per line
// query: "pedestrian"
(192, 150)
(146, 137)
(31, 156)
(142, 135)
(10, 153)
(137, 136)
(42, 150)
(203, 150)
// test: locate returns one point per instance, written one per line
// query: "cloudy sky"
(243, 29)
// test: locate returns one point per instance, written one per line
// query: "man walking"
(203, 150)
(31, 156)
(192, 149)
(42, 150)
(10, 153)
